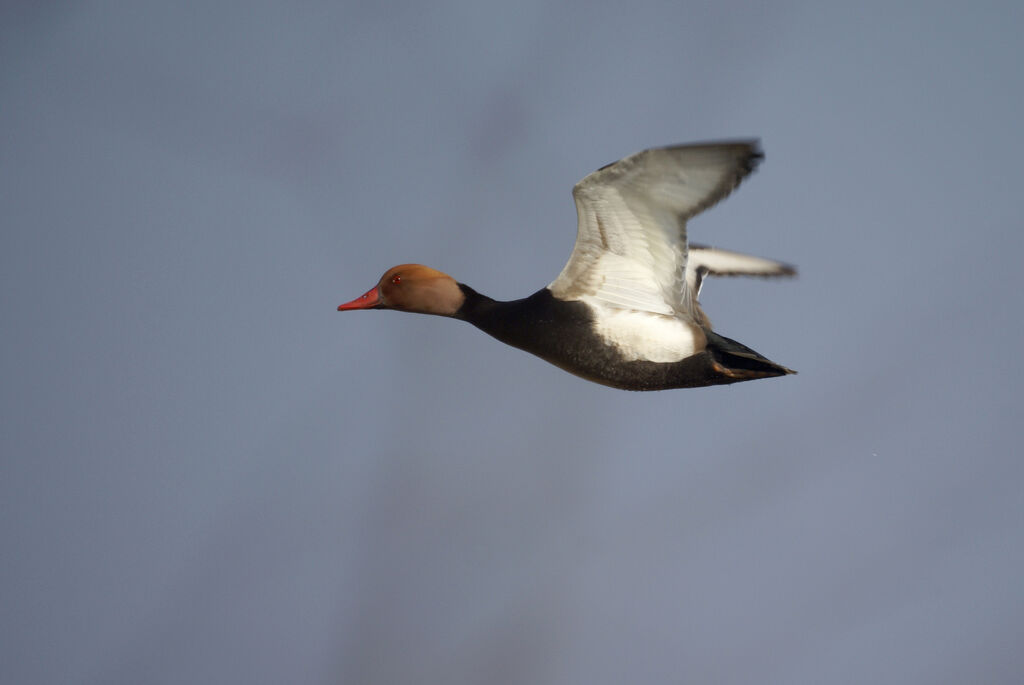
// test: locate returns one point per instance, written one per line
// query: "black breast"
(562, 333)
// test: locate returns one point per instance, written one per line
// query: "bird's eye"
(396, 280)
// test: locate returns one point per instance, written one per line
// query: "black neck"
(538, 323)
(490, 315)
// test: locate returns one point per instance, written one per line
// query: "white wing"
(712, 261)
(631, 250)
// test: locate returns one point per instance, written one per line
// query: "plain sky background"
(210, 476)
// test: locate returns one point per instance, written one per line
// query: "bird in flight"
(624, 311)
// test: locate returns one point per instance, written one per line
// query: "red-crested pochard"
(624, 310)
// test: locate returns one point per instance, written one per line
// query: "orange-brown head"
(412, 288)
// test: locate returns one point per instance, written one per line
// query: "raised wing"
(631, 250)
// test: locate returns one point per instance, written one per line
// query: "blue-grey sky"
(210, 476)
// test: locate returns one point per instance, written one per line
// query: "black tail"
(739, 361)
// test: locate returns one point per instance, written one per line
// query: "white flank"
(642, 336)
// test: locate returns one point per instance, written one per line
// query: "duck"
(624, 311)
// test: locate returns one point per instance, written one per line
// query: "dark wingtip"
(787, 270)
(754, 157)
